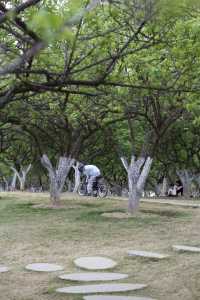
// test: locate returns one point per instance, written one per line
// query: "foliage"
(93, 81)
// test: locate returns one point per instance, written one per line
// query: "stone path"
(108, 297)
(147, 254)
(44, 267)
(3, 269)
(100, 288)
(95, 263)
(93, 276)
(186, 248)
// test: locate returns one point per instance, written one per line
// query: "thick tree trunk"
(164, 186)
(57, 176)
(22, 184)
(77, 177)
(197, 188)
(13, 183)
(186, 179)
(138, 171)
(22, 175)
(54, 190)
(134, 198)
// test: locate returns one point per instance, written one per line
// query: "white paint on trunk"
(57, 176)
(164, 187)
(13, 183)
(138, 171)
(21, 175)
(77, 177)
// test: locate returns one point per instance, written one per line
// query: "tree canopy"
(92, 79)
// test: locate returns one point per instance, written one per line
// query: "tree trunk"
(77, 177)
(186, 179)
(57, 176)
(22, 175)
(13, 183)
(6, 183)
(54, 190)
(197, 180)
(163, 191)
(22, 184)
(138, 171)
(134, 198)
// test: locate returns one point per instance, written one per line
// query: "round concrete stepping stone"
(95, 263)
(147, 254)
(93, 276)
(186, 248)
(100, 288)
(3, 269)
(108, 297)
(44, 267)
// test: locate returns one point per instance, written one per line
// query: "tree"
(57, 176)
(120, 67)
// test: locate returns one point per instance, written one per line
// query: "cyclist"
(91, 172)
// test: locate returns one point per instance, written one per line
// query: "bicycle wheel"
(82, 190)
(102, 190)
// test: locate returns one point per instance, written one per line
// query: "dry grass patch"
(61, 205)
(118, 215)
(30, 235)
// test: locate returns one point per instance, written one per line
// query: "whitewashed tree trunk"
(22, 181)
(22, 175)
(138, 171)
(77, 177)
(13, 183)
(197, 180)
(57, 176)
(186, 179)
(164, 187)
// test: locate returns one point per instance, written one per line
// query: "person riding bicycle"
(91, 172)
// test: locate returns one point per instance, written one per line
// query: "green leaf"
(46, 23)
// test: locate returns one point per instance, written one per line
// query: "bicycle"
(99, 187)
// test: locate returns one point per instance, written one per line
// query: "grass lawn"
(29, 235)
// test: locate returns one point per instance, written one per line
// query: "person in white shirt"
(91, 172)
(172, 192)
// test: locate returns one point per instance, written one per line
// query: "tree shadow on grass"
(88, 204)
(165, 213)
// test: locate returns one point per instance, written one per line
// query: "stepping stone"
(147, 254)
(100, 288)
(95, 263)
(44, 267)
(93, 276)
(186, 248)
(107, 297)
(3, 269)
